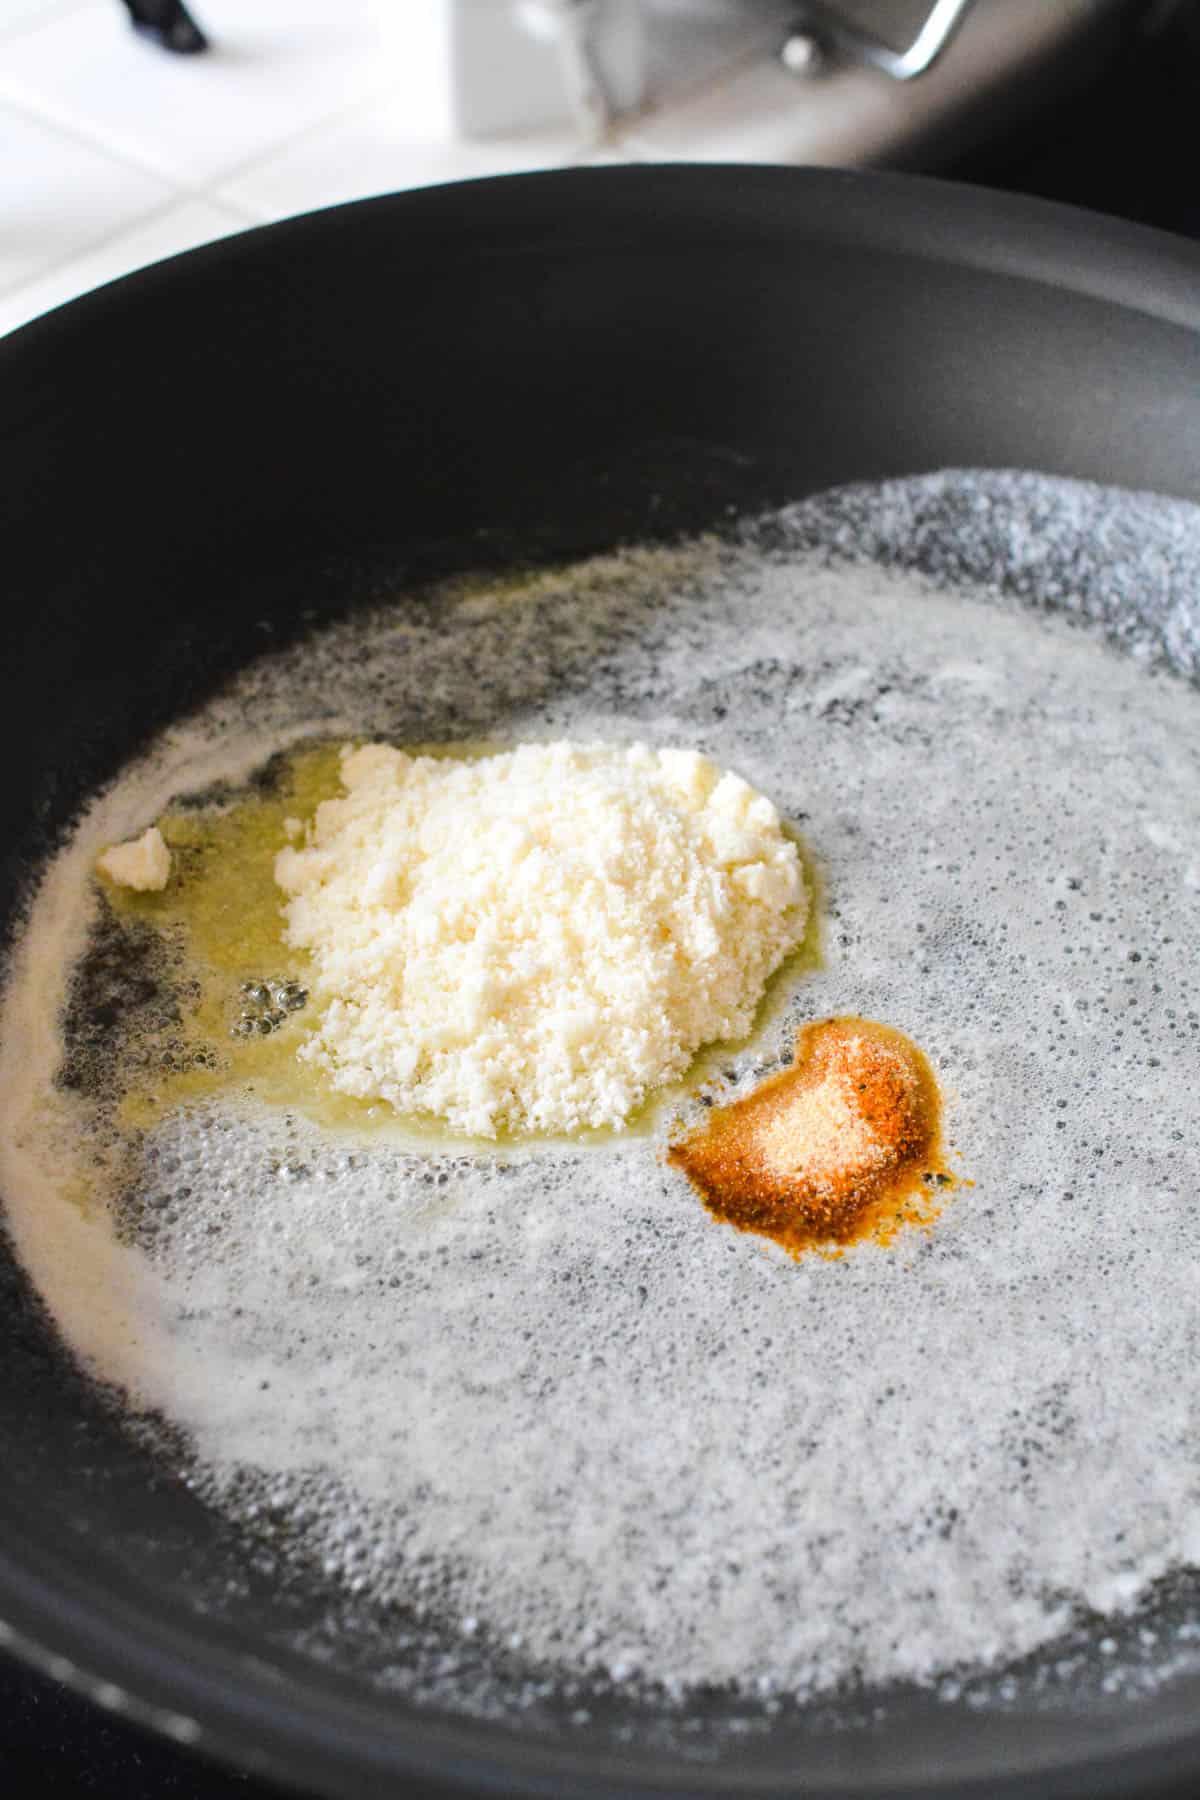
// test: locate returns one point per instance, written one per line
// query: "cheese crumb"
(535, 941)
(143, 863)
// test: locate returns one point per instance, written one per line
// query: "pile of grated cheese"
(537, 940)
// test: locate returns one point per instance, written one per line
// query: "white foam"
(548, 1392)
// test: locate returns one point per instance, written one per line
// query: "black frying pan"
(204, 459)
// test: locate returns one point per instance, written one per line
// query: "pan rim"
(923, 217)
(1127, 267)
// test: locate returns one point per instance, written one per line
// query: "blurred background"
(123, 140)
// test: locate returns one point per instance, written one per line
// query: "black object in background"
(169, 24)
(1126, 143)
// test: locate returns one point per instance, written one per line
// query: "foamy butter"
(544, 1389)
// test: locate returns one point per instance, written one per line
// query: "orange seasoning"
(844, 1145)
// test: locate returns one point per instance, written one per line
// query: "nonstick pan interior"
(209, 458)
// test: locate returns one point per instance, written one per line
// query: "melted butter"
(223, 907)
(845, 1145)
(224, 911)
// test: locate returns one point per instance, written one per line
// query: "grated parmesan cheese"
(535, 940)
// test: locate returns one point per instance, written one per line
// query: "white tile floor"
(113, 153)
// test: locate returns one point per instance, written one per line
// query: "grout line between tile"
(49, 120)
(292, 138)
(217, 188)
(624, 141)
(14, 289)
(626, 135)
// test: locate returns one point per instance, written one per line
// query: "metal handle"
(821, 27)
